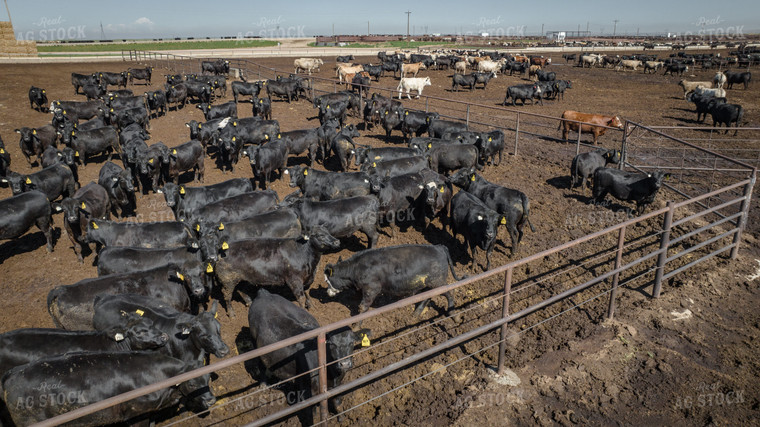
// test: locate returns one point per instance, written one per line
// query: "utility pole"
(614, 29)
(9, 12)
(368, 28)
(408, 13)
(542, 30)
(579, 31)
(587, 33)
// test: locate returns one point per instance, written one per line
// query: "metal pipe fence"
(703, 219)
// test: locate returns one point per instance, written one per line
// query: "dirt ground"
(655, 363)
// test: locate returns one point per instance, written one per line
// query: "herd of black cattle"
(152, 276)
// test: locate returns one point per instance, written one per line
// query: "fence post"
(427, 99)
(504, 314)
(616, 277)
(467, 118)
(623, 147)
(322, 356)
(664, 245)
(745, 212)
(517, 132)
(578, 141)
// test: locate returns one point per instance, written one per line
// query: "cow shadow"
(560, 182)
(29, 242)
(682, 119)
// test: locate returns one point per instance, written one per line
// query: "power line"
(408, 13)
(614, 29)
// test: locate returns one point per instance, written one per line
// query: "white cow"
(627, 64)
(460, 67)
(488, 66)
(412, 83)
(719, 79)
(307, 64)
(716, 92)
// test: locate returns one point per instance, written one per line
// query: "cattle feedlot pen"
(686, 219)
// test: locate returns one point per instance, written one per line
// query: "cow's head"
(615, 122)
(340, 347)
(463, 177)
(16, 182)
(427, 81)
(197, 392)
(321, 239)
(70, 208)
(172, 193)
(612, 156)
(297, 175)
(191, 275)
(205, 332)
(139, 332)
(28, 137)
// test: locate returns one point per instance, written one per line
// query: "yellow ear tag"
(58, 102)
(94, 226)
(442, 189)
(150, 161)
(225, 246)
(490, 139)
(2, 151)
(305, 172)
(374, 165)
(386, 113)
(209, 268)
(430, 145)
(43, 90)
(174, 151)
(472, 178)
(406, 113)
(234, 123)
(139, 312)
(234, 139)
(34, 131)
(110, 111)
(180, 276)
(365, 340)
(181, 190)
(221, 226)
(76, 153)
(266, 137)
(279, 136)
(503, 221)
(328, 107)
(197, 227)
(261, 101)
(216, 315)
(73, 133)
(199, 126)
(84, 206)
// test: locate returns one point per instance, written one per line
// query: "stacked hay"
(9, 46)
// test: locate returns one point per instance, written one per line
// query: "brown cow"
(540, 61)
(411, 68)
(521, 58)
(533, 71)
(342, 70)
(597, 119)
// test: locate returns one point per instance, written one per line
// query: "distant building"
(556, 36)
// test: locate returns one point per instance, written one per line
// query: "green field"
(398, 44)
(153, 46)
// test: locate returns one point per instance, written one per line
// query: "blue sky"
(45, 20)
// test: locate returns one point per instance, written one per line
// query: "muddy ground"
(648, 365)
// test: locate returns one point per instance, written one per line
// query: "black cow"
(129, 259)
(395, 167)
(437, 128)
(375, 71)
(183, 200)
(423, 143)
(95, 91)
(288, 89)
(737, 77)
(120, 92)
(345, 58)
(394, 66)
(627, 186)
(403, 197)
(298, 141)
(54, 181)
(519, 67)
(361, 84)
(568, 57)
(90, 201)
(176, 94)
(343, 147)
(280, 223)
(205, 132)
(584, 165)
(34, 141)
(166, 234)
(318, 185)
(262, 107)
(78, 110)
(199, 90)
(118, 372)
(703, 102)
(250, 130)
(723, 113)
(513, 204)
(38, 99)
(522, 92)
(185, 157)
(489, 145)
(219, 66)
(559, 88)
(229, 148)
(125, 117)
(245, 88)
(118, 102)
(395, 270)
(153, 166)
(79, 80)
(72, 306)
(19, 213)
(675, 68)
(113, 79)
(478, 223)
(416, 122)
(334, 110)
(89, 142)
(546, 76)
(120, 187)
(367, 154)
(272, 318)
(97, 122)
(342, 217)
(391, 119)
(156, 101)
(462, 137)
(139, 74)
(450, 157)
(483, 78)
(267, 158)
(22, 346)
(210, 112)
(234, 208)
(272, 262)
(5, 160)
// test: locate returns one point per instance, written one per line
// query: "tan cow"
(533, 71)
(412, 68)
(588, 121)
(342, 70)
